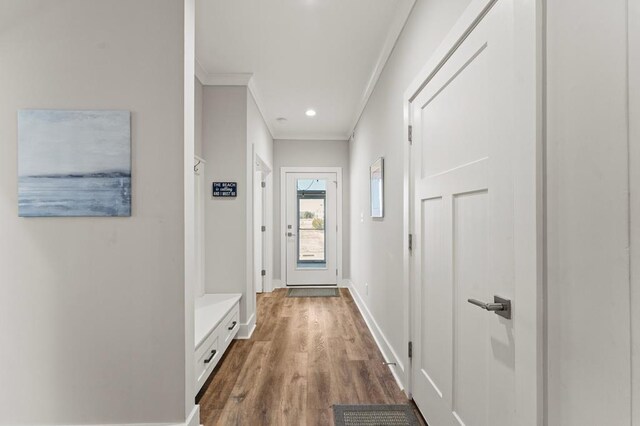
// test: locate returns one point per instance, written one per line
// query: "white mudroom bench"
(216, 325)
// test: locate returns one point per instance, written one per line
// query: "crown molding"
(226, 79)
(235, 79)
(399, 21)
(221, 79)
(253, 90)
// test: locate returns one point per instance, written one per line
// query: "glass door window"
(311, 209)
(311, 233)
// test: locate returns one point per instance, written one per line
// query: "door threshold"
(310, 285)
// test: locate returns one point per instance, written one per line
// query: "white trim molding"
(236, 79)
(192, 420)
(390, 356)
(251, 85)
(226, 79)
(194, 417)
(246, 330)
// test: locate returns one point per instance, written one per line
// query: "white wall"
(232, 127)
(588, 308)
(311, 153)
(92, 311)
(199, 95)
(224, 147)
(376, 245)
(634, 180)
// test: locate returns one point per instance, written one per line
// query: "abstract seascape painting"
(74, 163)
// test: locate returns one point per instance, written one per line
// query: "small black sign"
(225, 189)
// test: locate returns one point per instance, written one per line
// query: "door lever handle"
(488, 306)
(499, 306)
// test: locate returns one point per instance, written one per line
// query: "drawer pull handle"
(208, 360)
(233, 325)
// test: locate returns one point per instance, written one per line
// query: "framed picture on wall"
(74, 163)
(376, 176)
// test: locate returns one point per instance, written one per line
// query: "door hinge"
(263, 228)
(264, 272)
(336, 272)
(410, 349)
(263, 184)
(410, 242)
(411, 134)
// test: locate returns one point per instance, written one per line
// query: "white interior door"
(465, 164)
(311, 229)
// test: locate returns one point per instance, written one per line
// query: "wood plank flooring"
(305, 355)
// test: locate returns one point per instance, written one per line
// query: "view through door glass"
(311, 202)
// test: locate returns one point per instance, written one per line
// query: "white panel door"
(311, 229)
(464, 172)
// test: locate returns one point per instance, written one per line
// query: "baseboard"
(344, 283)
(381, 340)
(246, 330)
(194, 417)
(277, 283)
(192, 420)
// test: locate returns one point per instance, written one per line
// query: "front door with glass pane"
(311, 229)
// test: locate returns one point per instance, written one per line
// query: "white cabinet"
(216, 324)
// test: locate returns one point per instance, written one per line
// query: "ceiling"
(295, 55)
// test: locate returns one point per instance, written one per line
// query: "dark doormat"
(313, 292)
(374, 415)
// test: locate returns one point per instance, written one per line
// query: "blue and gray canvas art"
(74, 163)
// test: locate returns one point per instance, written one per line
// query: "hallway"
(305, 355)
(465, 172)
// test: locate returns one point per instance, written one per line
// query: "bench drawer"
(207, 357)
(230, 325)
(217, 322)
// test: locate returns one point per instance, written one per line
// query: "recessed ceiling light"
(310, 113)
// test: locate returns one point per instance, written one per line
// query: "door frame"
(262, 196)
(528, 207)
(258, 235)
(283, 216)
